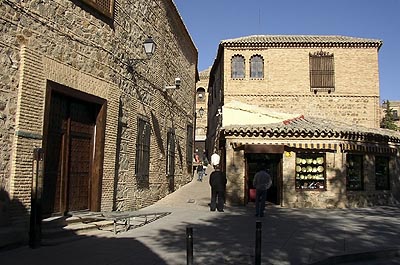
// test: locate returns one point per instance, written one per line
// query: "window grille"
(355, 178)
(143, 150)
(256, 67)
(322, 73)
(106, 7)
(170, 153)
(382, 180)
(237, 66)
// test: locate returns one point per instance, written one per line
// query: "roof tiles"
(301, 40)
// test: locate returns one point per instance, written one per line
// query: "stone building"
(201, 112)
(307, 107)
(111, 128)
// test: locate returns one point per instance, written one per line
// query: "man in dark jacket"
(262, 182)
(218, 185)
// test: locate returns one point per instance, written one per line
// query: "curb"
(358, 257)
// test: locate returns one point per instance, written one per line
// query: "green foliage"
(388, 121)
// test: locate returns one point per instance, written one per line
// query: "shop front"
(335, 168)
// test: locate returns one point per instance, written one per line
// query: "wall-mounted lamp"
(176, 86)
(149, 48)
(201, 112)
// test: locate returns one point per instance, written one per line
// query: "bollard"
(258, 244)
(35, 228)
(189, 245)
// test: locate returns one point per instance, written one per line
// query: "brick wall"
(286, 85)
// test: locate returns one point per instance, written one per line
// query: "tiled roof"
(311, 127)
(301, 40)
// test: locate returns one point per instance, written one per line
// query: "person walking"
(200, 172)
(215, 158)
(262, 182)
(218, 186)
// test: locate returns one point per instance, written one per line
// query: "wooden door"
(81, 130)
(68, 154)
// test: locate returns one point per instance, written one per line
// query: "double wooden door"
(69, 153)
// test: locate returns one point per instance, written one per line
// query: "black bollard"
(258, 243)
(189, 245)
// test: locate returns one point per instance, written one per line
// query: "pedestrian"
(215, 158)
(218, 186)
(200, 172)
(262, 182)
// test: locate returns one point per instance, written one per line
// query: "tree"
(388, 120)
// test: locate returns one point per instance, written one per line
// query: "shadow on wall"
(13, 221)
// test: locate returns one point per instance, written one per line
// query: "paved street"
(289, 236)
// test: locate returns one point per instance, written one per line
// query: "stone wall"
(286, 84)
(71, 44)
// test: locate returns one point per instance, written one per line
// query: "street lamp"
(149, 48)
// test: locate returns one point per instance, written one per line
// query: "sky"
(210, 21)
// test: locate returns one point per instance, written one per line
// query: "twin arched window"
(256, 66)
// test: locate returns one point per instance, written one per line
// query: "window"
(189, 147)
(201, 92)
(170, 153)
(238, 66)
(354, 178)
(395, 115)
(106, 7)
(322, 74)
(310, 171)
(143, 153)
(256, 67)
(382, 173)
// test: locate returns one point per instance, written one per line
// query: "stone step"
(58, 230)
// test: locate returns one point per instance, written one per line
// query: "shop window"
(256, 67)
(237, 66)
(322, 73)
(105, 7)
(382, 173)
(143, 153)
(310, 171)
(354, 178)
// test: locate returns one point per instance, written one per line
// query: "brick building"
(308, 107)
(114, 131)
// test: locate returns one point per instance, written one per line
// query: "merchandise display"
(310, 171)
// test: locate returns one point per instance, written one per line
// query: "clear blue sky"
(210, 21)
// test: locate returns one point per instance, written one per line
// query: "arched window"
(256, 67)
(237, 66)
(201, 94)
